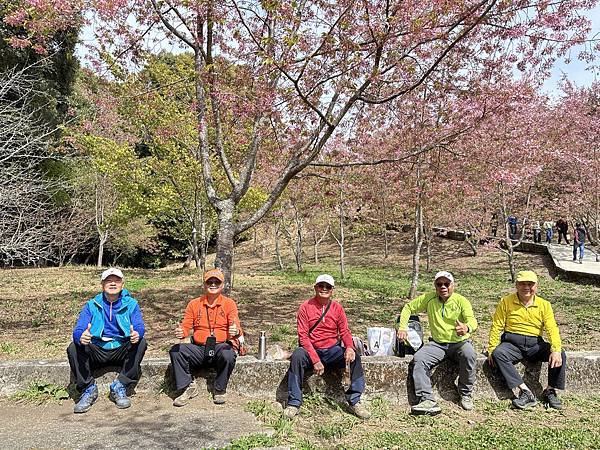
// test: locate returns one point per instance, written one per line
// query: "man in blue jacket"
(109, 331)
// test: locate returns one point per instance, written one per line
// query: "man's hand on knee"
(319, 368)
(349, 355)
(555, 360)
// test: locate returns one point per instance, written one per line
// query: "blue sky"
(575, 70)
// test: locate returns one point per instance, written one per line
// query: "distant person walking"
(494, 224)
(537, 231)
(578, 242)
(562, 226)
(548, 229)
(512, 223)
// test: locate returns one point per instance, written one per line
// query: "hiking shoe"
(426, 407)
(359, 410)
(87, 399)
(550, 399)
(118, 394)
(187, 394)
(219, 398)
(525, 400)
(291, 411)
(466, 402)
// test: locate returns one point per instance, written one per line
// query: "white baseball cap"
(444, 274)
(111, 271)
(325, 278)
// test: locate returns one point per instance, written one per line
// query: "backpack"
(415, 338)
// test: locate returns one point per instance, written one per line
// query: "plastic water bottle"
(262, 345)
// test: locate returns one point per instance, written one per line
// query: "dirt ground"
(151, 422)
(38, 307)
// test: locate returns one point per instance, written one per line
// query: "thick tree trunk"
(225, 239)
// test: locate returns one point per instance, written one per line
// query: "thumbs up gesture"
(179, 331)
(86, 336)
(134, 336)
(461, 328)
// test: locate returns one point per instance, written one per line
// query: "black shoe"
(550, 399)
(525, 400)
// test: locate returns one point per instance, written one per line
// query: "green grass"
(253, 441)
(39, 392)
(9, 348)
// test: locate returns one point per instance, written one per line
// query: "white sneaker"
(290, 411)
(188, 393)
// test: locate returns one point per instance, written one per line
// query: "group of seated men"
(110, 330)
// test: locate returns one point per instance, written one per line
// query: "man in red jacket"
(322, 323)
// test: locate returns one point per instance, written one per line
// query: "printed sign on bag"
(381, 341)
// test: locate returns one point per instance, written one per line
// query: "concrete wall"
(385, 376)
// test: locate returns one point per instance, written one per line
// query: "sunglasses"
(324, 287)
(216, 283)
(446, 284)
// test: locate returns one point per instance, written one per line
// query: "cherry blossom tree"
(276, 83)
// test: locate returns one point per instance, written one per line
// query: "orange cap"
(214, 273)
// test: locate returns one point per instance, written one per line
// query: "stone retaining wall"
(385, 376)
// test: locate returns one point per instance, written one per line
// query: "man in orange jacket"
(213, 322)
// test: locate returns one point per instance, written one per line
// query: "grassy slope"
(38, 307)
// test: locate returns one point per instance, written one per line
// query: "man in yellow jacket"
(516, 335)
(451, 322)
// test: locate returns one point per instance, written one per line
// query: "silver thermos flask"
(262, 345)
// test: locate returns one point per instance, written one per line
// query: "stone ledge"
(385, 376)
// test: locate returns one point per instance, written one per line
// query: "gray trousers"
(433, 353)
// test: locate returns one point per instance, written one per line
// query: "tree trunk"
(277, 247)
(195, 252)
(427, 240)
(510, 252)
(340, 241)
(318, 241)
(417, 244)
(299, 240)
(225, 239)
(103, 238)
(386, 244)
(190, 257)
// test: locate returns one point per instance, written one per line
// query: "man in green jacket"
(451, 322)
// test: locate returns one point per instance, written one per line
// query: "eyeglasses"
(212, 283)
(324, 287)
(442, 284)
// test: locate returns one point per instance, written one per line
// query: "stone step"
(386, 377)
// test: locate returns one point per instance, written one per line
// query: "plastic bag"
(381, 341)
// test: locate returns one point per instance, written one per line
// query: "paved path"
(151, 423)
(562, 255)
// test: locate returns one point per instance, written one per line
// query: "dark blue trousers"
(332, 358)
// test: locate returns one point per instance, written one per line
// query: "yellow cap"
(527, 275)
